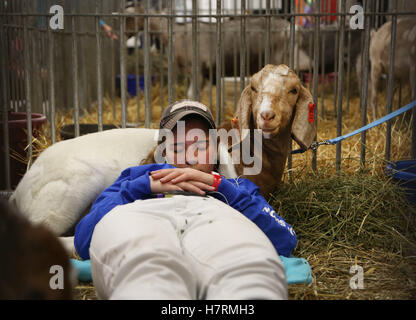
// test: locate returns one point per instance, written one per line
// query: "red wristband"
(217, 180)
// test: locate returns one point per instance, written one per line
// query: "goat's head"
(274, 100)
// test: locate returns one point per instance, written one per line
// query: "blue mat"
(297, 270)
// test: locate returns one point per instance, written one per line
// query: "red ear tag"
(311, 115)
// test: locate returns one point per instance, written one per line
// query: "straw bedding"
(353, 217)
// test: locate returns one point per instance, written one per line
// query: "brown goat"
(276, 102)
(28, 253)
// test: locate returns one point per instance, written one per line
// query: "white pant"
(183, 247)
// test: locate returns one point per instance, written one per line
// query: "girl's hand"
(186, 178)
(177, 175)
(157, 187)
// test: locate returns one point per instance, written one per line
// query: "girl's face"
(192, 147)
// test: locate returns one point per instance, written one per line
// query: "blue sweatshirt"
(241, 194)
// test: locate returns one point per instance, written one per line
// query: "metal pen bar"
(20, 106)
(51, 75)
(323, 79)
(242, 46)
(235, 39)
(267, 53)
(292, 66)
(310, 47)
(99, 69)
(123, 75)
(348, 69)
(4, 100)
(148, 117)
(14, 94)
(210, 76)
(75, 77)
(336, 51)
(170, 54)
(260, 41)
(8, 39)
(8, 61)
(218, 64)
(285, 10)
(364, 88)
(188, 73)
(340, 81)
(248, 40)
(223, 94)
(113, 76)
(390, 85)
(292, 36)
(28, 89)
(297, 43)
(194, 52)
(248, 15)
(161, 67)
(136, 62)
(198, 70)
(315, 77)
(20, 65)
(37, 65)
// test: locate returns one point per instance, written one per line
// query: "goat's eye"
(253, 89)
(294, 91)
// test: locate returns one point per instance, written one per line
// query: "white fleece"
(69, 175)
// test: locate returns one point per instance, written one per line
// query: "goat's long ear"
(303, 126)
(244, 112)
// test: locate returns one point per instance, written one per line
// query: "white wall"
(228, 6)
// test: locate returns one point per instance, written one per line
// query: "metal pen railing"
(45, 70)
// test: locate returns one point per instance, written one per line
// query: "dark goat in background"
(27, 254)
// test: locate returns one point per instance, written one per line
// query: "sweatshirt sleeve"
(133, 184)
(244, 196)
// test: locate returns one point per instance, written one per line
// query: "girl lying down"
(178, 230)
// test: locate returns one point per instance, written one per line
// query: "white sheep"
(68, 176)
(405, 56)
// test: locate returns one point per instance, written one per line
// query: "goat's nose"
(268, 115)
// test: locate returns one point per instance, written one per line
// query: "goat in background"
(255, 44)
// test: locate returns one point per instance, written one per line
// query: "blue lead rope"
(392, 115)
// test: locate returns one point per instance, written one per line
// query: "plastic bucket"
(68, 131)
(404, 172)
(131, 83)
(17, 144)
